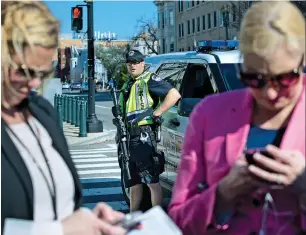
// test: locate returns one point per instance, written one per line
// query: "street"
(97, 164)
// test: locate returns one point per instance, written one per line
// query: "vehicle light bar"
(207, 45)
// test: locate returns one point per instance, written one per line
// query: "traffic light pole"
(92, 123)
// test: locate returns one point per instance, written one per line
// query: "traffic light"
(76, 18)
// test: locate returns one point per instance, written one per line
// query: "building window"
(193, 25)
(198, 24)
(180, 6)
(171, 44)
(209, 21)
(187, 4)
(203, 23)
(192, 3)
(171, 17)
(182, 28)
(158, 20)
(188, 48)
(179, 29)
(234, 10)
(221, 21)
(164, 46)
(163, 20)
(198, 2)
(188, 27)
(215, 19)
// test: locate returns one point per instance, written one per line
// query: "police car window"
(172, 73)
(197, 84)
(230, 77)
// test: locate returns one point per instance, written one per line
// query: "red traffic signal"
(77, 12)
(76, 18)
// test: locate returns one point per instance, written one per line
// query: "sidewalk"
(72, 136)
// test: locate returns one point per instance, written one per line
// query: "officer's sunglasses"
(134, 62)
(23, 71)
(258, 81)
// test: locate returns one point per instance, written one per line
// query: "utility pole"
(92, 123)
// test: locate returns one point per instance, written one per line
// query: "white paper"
(156, 221)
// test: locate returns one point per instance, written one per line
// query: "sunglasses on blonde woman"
(258, 81)
(23, 71)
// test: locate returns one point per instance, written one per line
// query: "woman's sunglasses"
(258, 81)
(21, 70)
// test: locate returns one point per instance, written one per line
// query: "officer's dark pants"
(141, 160)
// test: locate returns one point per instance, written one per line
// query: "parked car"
(65, 86)
(85, 88)
(75, 86)
(195, 74)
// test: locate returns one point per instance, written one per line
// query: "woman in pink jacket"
(217, 191)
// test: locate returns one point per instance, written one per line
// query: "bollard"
(60, 112)
(86, 105)
(62, 105)
(55, 100)
(64, 108)
(73, 116)
(82, 132)
(69, 109)
(77, 107)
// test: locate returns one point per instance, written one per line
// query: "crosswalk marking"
(100, 180)
(89, 156)
(83, 172)
(85, 160)
(100, 176)
(97, 165)
(102, 191)
(121, 205)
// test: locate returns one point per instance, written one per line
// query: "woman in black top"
(41, 192)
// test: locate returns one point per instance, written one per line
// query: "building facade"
(79, 67)
(166, 33)
(207, 20)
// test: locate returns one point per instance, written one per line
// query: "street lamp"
(225, 15)
(92, 123)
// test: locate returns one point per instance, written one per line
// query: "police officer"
(141, 92)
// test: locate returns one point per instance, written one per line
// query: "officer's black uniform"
(141, 154)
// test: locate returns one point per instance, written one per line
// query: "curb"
(100, 139)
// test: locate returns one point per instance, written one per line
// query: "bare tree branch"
(147, 32)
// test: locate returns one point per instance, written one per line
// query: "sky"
(118, 17)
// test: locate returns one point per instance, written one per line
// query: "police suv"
(196, 74)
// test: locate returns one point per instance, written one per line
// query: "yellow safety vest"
(139, 99)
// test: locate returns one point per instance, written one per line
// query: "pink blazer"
(215, 138)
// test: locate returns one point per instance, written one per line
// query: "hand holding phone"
(249, 155)
(130, 221)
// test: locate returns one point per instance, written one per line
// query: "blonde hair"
(24, 24)
(270, 25)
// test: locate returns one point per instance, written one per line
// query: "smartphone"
(131, 220)
(249, 155)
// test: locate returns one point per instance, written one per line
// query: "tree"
(112, 58)
(147, 31)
